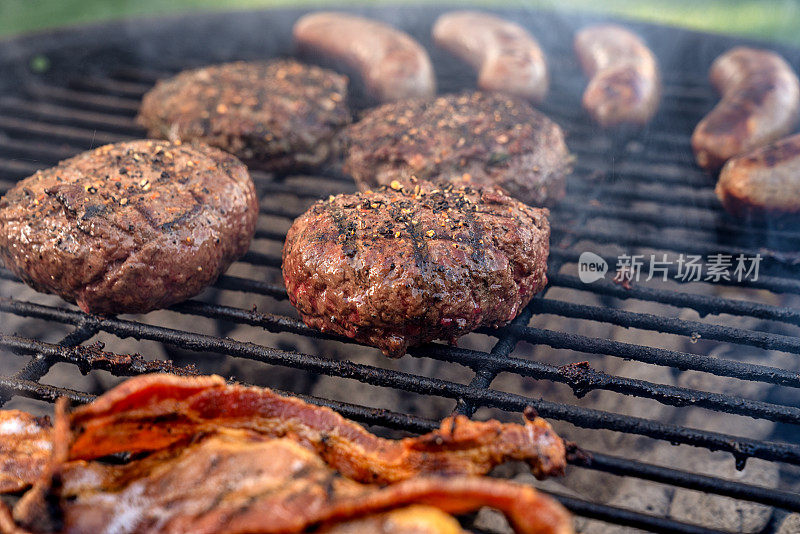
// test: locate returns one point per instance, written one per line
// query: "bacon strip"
(25, 446)
(239, 481)
(33, 510)
(155, 411)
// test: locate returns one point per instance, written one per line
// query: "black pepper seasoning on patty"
(276, 116)
(472, 138)
(129, 227)
(404, 265)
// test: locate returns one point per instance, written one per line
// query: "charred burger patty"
(472, 139)
(402, 266)
(276, 116)
(130, 227)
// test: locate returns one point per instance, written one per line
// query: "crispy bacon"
(153, 412)
(25, 446)
(241, 481)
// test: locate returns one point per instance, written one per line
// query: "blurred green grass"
(767, 19)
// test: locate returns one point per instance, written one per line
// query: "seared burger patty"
(403, 266)
(129, 227)
(472, 139)
(277, 116)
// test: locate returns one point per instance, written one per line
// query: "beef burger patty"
(276, 116)
(473, 139)
(130, 227)
(402, 266)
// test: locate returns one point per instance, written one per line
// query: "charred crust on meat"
(468, 139)
(275, 115)
(129, 227)
(379, 266)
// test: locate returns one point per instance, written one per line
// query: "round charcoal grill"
(682, 367)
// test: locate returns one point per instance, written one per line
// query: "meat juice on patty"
(403, 265)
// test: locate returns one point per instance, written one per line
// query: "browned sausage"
(506, 56)
(625, 84)
(760, 100)
(763, 181)
(391, 63)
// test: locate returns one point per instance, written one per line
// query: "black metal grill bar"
(675, 175)
(17, 168)
(40, 364)
(658, 241)
(669, 325)
(42, 152)
(35, 390)
(702, 304)
(629, 518)
(683, 361)
(88, 358)
(787, 500)
(70, 133)
(236, 283)
(589, 418)
(695, 220)
(55, 112)
(111, 86)
(620, 190)
(80, 99)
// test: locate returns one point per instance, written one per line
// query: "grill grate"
(632, 194)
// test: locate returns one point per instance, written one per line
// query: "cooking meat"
(391, 64)
(414, 519)
(276, 116)
(130, 227)
(763, 181)
(625, 83)
(25, 447)
(506, 56)
(128, 419)
(402, 266)
(209, 457)
(237, 481)
(480, 139)
(760, 102)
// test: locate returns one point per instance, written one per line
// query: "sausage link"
(507, 58)
(392, 65)
(763, 181)
(625, 84)
(760, 100)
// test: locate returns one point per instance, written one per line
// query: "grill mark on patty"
(183, 217)
(419, 246)
(345, 230)
(475, 230)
